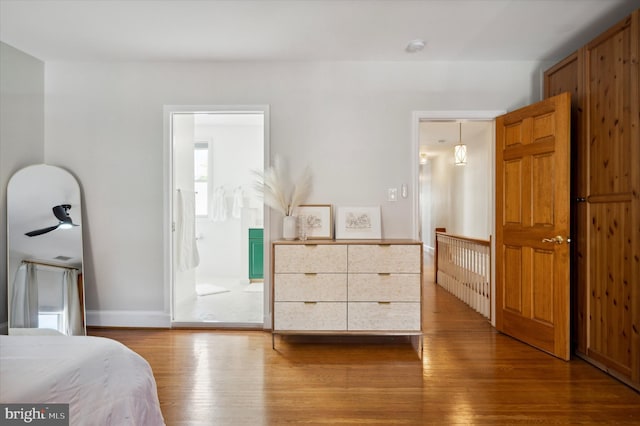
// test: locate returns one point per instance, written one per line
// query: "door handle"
(557, 239)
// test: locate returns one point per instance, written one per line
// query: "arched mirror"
(44, 252)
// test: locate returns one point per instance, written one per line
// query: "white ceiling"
(437, 137)
(303, 30)
(306, 30)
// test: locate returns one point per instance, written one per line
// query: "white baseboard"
(429, 250)
(141, 319)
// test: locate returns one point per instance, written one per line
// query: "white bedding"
(103, 381)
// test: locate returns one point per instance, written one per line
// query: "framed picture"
(316, 220)
(358, 223)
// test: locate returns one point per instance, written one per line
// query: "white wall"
(21, 135)
(476, 187)
(460, 197)
(427, 227)
(349, 121)
(442, 169)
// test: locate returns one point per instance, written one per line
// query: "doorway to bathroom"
(217, 216)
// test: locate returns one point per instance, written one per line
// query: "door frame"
(168, 168)
(473, 115)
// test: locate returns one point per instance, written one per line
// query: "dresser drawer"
(384, 258)
(384, 288)
(310, 258)
(310, 287)
(320, 316)
(391, 316)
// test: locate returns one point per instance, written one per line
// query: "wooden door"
(604, 80)
(567, 76)
(532, 224)
(612, 199)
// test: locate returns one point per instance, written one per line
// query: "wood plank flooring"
(469, 374)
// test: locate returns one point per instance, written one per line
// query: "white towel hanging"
(238, 202)
(219, 205)
(187, 253)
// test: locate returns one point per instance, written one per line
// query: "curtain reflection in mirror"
(71, 283)
(47, 296)
(24, 300)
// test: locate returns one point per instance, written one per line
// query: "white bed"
(103, 381)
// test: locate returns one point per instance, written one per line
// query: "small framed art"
(316, 221)
(358, 223)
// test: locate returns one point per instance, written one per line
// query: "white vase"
(289, 228)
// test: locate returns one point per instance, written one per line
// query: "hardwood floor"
(469, 374)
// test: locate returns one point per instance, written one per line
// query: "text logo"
(34, 414)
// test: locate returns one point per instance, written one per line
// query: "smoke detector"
(415, 46)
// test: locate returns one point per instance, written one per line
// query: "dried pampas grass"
(300, 191)
(273, 186)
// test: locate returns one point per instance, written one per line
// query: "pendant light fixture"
(423, 158)
(460, 151)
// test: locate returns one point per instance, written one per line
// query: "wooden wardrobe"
(603, 78)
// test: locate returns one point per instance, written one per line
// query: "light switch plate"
(392, 194)
(404, 191)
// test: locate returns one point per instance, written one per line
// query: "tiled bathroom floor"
(242, 305)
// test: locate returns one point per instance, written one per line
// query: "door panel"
(542, 175)
(513, 192)
(513, 279)
(532, 224)
(542, 297)
(611, 302)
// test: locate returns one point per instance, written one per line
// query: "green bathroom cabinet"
(256, 254)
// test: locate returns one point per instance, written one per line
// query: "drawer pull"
(310, 303)
(384, 274)
(384, 303)
(311, 274)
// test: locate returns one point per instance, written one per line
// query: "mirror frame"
(32, 194)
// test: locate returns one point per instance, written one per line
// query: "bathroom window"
(201, 177)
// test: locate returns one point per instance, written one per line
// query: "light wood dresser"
(357, 287)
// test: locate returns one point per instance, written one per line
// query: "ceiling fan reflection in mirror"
(62, 213)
